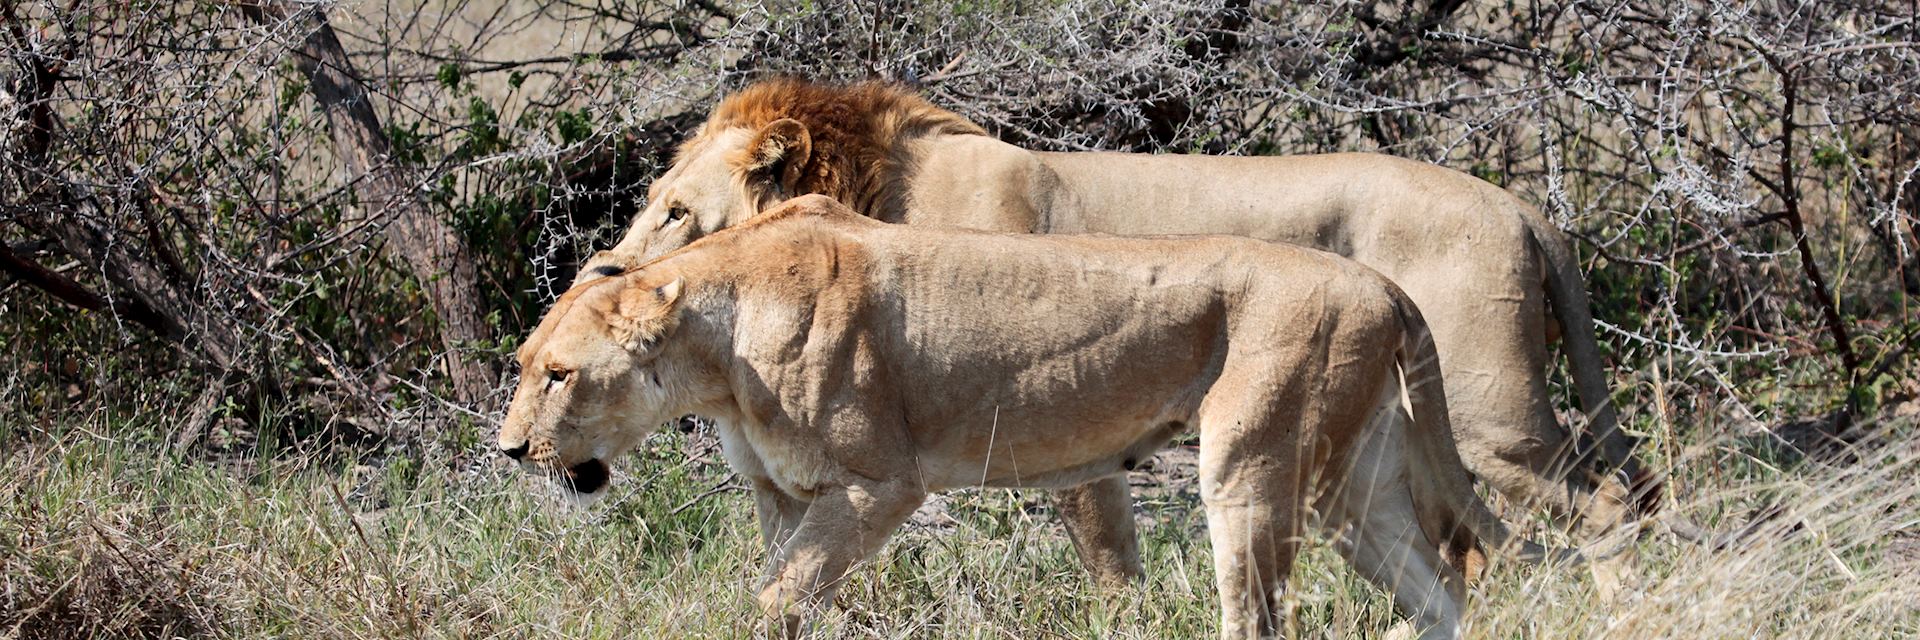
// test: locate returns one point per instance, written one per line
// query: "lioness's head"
(600, 372)
(770, 142)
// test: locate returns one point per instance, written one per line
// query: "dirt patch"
(1903, 554)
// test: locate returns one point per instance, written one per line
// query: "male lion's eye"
(557, 375)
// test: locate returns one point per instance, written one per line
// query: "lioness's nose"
(516, 452)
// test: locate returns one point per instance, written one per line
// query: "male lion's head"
(599, 373)
(773, 141)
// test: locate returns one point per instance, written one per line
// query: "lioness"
(1484, 266)
(854, 366)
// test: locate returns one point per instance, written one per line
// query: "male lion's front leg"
(1099, 519)
(842, 526)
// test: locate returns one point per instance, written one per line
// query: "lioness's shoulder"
(775, 236)
(812, 205)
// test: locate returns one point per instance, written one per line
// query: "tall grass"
(106, 536)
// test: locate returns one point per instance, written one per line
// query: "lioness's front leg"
(779, 515)
(842, 526)
(1098, 517)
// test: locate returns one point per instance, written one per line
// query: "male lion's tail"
(1450, 513)
(1567, 297)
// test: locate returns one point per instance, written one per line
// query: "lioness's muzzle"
(517, 452)
(589, 476)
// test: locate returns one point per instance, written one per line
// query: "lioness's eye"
(675, 213)
(557, 375)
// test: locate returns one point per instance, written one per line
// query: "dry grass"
(102, 537)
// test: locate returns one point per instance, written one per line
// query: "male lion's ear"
(779, 154)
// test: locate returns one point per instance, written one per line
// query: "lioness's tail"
(1450, 513)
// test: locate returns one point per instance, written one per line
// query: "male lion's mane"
(855, 132)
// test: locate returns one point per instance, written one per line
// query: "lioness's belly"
(1056, 407)
(1051, 455)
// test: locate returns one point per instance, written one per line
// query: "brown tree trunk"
(426, 244)
(72, 292)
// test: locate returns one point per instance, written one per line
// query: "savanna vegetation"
(264, 263)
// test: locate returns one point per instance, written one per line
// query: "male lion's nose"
(517, 452)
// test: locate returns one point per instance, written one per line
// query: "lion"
(854, 366)
(1495, 278)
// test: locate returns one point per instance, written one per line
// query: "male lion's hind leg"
(1547, 466)
(1494, 358)
(1503, 421)
(1098, 517)
(841, 527)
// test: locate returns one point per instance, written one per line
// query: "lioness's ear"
(669, 292)
(779, 153)
(645, 314)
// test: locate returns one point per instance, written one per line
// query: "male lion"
(854, 366)
(1485, 267)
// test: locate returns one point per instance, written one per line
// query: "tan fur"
(855, 366)
(1494, 277)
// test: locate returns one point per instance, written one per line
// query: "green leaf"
(449, 75)
(1828, 157)
(574, 126)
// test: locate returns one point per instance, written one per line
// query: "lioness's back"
(1053, 308)
(1085, 274)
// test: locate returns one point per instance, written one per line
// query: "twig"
(725, 485)
(647, 53)
(1790, 197)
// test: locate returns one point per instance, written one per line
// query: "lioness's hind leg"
(1098, 517)
(1388, 548)
(1254, 545)
(1379, 532)
(1253, 503)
